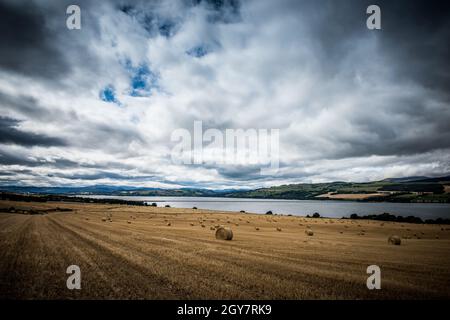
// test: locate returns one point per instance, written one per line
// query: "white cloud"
(341, 111)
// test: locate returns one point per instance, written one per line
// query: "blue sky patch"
(143, 81)
(108, 94)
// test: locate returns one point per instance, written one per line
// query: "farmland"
(136, 252)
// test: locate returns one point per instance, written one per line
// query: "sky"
(99, 105)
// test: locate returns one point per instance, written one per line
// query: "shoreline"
(99, 199)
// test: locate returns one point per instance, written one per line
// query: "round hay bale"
(395, 240)
(169, 224)
(104, 219)
(256, 228)
(192, 224)
(224, 234)
(203, 226)
(129, 222)
(279, 229)
(309, 232)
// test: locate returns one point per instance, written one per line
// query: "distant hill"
(406, 179)
(409, 189)
(444, 180)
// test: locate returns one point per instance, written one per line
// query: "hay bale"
(309, 232)
(169, 224)
(203, 226)
(256, 228)
(224, 233)
(395, 240)
(129, 222)
(104, 219)
(279, 229)
(192, 224)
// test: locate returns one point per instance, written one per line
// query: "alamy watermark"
(250, 147)
(374, 280)
(374, 20)
(73, 21)
(74, 280)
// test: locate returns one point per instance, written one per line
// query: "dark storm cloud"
(8, 158)
(29, 107)
(89, 134)
(27, 44)
(9, 134)
(414, 43)
(417, 35)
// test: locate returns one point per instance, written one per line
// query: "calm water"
(332, 209)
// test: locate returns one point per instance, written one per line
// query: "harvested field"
(165, 253)
(351, 196)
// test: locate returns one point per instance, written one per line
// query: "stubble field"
(134, 252)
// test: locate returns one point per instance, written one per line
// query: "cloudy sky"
(99, 105)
